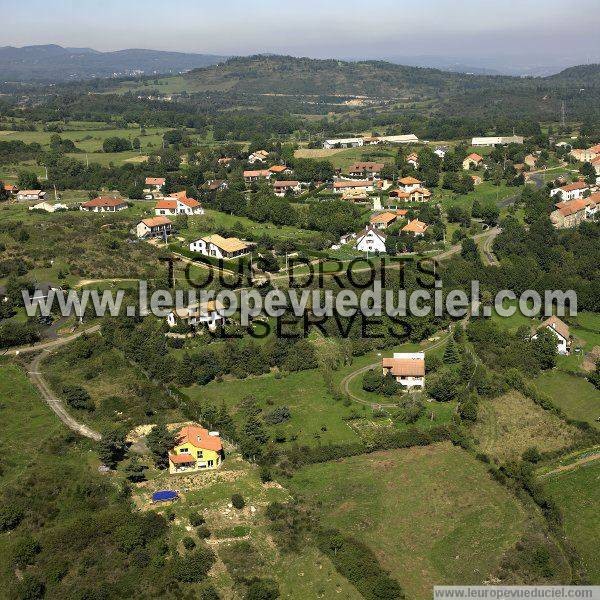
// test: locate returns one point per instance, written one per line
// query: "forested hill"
(582, 74)
(52, 63)
(265, 74)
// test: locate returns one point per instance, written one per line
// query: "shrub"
(10, 517)
(189, 543)
(278, 415)
(77, 397)
(196, 519)
(203, 532)
(238, 501)
(193, 567)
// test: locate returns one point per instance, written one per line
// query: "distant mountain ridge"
(53, 63)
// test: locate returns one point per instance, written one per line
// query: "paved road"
(480, 237)
(55, 403)
(489, 258)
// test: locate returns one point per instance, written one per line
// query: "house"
(31, 195)
(154, 227)
(407, 368)
(278, 169)
(251, 176)
(413, 159)
(258, 156)
(418, 194)
(441, 151)
(216, 185)
(224, 161)
(502, 140)
(370, 240)
(104, 204)
(571, 191)
(209, 314)
(473, 161)
(355, 195)
(561, 330)
(345, 186)
(365, 169)
(584, 155)
(155, 184)
(178, 204)
(281, 188)
(220, 247)
(573, 213)
(47, 207)
(343, 143)
(416, 228)
(11, 189)
(408, 184)
(383, 220)
(196, 449)
(596, 165)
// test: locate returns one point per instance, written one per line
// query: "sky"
(539, 31)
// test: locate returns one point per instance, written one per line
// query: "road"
(55, 403)
(485, 237)
(50, 344)
(584, 460)
(489, 258)
(345, 383)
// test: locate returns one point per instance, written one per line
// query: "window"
(210, 463)
(199, 453)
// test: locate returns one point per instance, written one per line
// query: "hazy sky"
(566, 29)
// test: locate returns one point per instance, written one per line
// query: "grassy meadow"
(432, 515)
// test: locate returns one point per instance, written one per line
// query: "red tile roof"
(178, 459)
(157, 221)
(199, 438)
(405, 367)
(155, 181)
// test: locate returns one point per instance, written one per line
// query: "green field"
(316, 417)
(576, 396)
(432, 515)
(576, 492)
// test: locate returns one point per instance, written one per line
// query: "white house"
(47, 207)
(282, 187)
(258, 156)
(178, 204)
(343, 143)
(408, 368)
(220, 247)
(31, 195)
(370, 240)
(154, 227)
(571, 191)
(561, 330)
(155, 184)
(409, 184)
(340, 187)
(104, 204)
(501, 140)
(205, 313)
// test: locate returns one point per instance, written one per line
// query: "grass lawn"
(316, 418)
(575, 395)
(508, 425)
(486, 192)
(576, 492)
(432, 515)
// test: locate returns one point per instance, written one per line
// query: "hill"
(265, 74)
(582, 74)
(52, 63)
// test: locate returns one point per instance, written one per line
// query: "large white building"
(407, 368)
(500, 140)
(343, 143)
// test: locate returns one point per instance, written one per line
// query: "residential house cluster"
(571, 213)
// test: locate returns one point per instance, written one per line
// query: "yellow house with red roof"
(196, 449)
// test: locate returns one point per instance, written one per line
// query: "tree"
(111, 448)
(28, 181)
(160, 441)
(135, 471)
(451, 353)
(469, 250)
(238, 501)
(532, 455)
(194, 566)
(545, 349)
(116, 144)
(78, 397)
(589, 172)
(262, 589)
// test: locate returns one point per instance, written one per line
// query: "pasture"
(431, 514)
